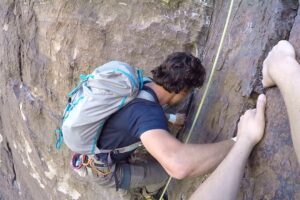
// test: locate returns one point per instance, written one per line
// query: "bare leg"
(223, 183)
(281, 68)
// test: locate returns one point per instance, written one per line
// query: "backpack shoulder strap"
(143, 94)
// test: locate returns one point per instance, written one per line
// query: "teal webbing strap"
(122, 103)
(59, 138)
(70, 107)
(140, 78)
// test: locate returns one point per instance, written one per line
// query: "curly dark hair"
(181, 70)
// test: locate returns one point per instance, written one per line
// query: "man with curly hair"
(145, 121)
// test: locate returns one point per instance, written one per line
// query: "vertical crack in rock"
(202, 38)
(203, 33)
(9, 152)
(18, 17)
(211, 24)
(20, 60)
(236, 10)
(289, 11)
(297, 9)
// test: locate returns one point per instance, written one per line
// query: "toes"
(283, 42)
(285, 47)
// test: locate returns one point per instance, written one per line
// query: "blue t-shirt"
(126, 126)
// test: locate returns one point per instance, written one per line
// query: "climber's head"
(178, 74)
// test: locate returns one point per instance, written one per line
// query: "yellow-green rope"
(207, 87)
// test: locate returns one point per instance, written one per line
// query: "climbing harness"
(100, 165)
(207, 87)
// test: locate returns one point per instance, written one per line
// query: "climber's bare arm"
(184, 160)
(281, 68)
(224, 182)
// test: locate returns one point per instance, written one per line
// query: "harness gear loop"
(207, 86)
(96, 171)
(87, 162)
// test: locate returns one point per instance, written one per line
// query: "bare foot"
(279, 64)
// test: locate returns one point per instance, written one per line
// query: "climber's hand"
(277, 65)
(177, 119)
(180, 119)
(252, 123)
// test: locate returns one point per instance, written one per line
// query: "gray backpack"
(99, 95)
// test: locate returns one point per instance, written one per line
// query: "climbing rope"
(207, 87)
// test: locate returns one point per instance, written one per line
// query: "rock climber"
(145, 121)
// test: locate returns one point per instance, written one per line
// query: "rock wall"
(47, 44)
(272, 171)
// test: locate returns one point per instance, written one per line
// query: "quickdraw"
(79, 161)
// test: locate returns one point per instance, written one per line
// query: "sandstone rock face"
(47, 44)
(272, 171)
